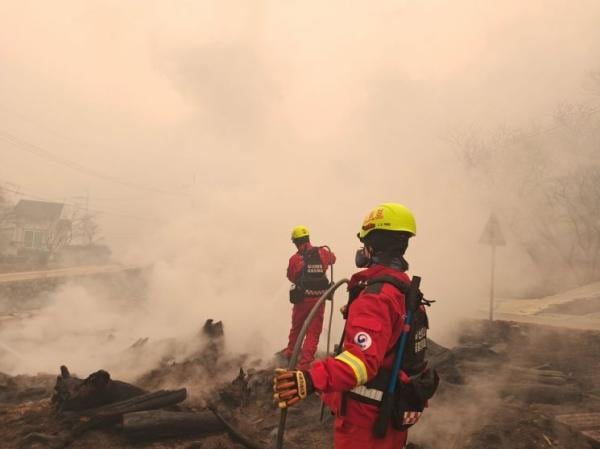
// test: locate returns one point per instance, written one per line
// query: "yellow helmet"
(300, 231)
(389, 217)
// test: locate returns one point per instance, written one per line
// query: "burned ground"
(502, 386)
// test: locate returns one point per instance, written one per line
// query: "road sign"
(492, 233)
(492, 236)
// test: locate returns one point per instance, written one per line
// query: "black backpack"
(313, 281)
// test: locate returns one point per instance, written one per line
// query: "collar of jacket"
(397, 263)
(304, 247)
(372, 272)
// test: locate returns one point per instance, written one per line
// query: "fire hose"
(331, 305)
(294, 358)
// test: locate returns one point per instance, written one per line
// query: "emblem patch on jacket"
(363, 340)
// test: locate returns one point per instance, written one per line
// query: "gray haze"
(217, 126)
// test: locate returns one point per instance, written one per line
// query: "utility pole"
(492, 282)
(492, 236)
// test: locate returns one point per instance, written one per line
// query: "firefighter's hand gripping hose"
(291, 386)
(294, 358)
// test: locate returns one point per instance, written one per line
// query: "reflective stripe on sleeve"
(357, 365)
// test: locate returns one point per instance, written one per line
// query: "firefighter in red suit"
(352, 382)
(307, 270)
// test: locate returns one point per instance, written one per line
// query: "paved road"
(584, 311)
(6, 278)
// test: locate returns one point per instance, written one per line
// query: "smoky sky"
(218, 126)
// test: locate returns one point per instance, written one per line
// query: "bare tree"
(505, 155)
(575, 202)
(58, 236)
(545, 183)
(86, 228)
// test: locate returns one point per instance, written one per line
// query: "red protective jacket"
(302, 309)
(374, 324)
(296, 263)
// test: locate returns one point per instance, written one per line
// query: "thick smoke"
(257, 117)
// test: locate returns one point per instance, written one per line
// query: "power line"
(59, 160)
(96, 211)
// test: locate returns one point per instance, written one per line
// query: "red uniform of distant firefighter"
(385, 323)
(307, 270)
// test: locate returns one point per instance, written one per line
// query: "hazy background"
(204, 131)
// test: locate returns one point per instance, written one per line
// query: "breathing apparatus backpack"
(313, 280)
(417, 382)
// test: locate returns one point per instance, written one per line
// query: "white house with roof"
(36, 226)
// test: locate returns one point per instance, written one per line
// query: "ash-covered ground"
(502, 386)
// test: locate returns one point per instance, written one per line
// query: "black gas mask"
(362, 259)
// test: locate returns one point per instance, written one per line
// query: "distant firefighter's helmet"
(300, 231)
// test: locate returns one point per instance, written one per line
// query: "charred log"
(112, 414)
(161, 424)
(98, 389)
(140, 342)
(148, 401)
(212, 328)
(213, 333)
